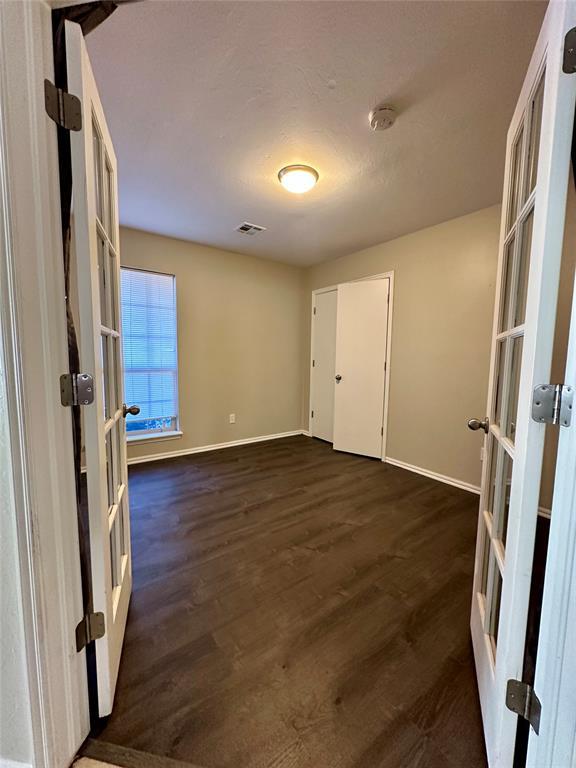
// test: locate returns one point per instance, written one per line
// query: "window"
(150, 351)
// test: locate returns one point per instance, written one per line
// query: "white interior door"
(96, 237)
(323, 364)
(535, 186)
(361, 337)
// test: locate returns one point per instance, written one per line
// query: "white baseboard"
(434, 475)
(214, 447)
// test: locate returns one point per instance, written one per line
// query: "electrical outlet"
(232, 418)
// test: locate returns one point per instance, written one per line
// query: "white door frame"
(35, 337)
(327, 289)
(555, 678)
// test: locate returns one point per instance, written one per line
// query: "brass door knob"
(133, 410)
(476, 424)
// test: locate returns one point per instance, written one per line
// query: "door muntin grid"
(109, 305)
(508, 347)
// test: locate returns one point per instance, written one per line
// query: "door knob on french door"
(133, 410)
(476, 424)
(338, 378)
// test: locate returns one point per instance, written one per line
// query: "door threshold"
(125, 757)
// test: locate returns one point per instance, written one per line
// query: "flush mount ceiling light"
(298, 178)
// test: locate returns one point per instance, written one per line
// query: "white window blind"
(150, 350)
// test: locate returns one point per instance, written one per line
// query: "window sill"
(131, 439)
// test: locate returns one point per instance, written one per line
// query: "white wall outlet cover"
(232, 418)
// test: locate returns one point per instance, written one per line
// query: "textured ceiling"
(206, 101)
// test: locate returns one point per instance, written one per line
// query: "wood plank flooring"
(295, 607)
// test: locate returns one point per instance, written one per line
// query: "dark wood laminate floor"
(294, 607)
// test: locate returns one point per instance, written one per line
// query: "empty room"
(287, 371)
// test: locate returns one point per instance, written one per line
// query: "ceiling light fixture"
(298, 178)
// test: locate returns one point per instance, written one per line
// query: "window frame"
(144, 435)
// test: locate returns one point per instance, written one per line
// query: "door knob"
(338, 378)
(133, 410)
(475, 424)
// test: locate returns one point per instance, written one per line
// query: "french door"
(96, 240)
(535, 185)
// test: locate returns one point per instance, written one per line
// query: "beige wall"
(244, 338)
(239, 340)
(444, 285)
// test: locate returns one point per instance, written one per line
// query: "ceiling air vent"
(250, 229)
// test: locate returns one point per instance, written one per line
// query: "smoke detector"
(250, 229)
(382, 117)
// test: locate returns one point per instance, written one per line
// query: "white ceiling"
(206, 101)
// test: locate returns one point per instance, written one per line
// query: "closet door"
(323, 365)
(361, 334)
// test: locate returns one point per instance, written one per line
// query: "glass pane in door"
(524, 269)
(113, 279)
(485, 563)
(492, 477)
(515, 179)
(114, 559)
(535, 130)
(512, 410)
(505, 505)
(508, 267)
(105, 375)
(109, 470)
(97, 152)
(501, 359)
(495, 602)
(102, 281)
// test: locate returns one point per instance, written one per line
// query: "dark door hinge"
(552, 404)
(522, 700)
(569, 58)
(312, 415)
(91, 628)
(76, 389)
(314, 310)
(63, 107)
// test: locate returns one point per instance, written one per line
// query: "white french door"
(361, 338)
(534, 200)
(96, 241)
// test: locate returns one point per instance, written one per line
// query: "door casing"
(36, 351)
